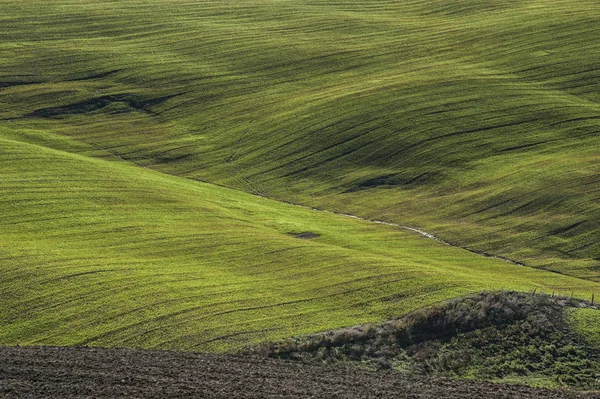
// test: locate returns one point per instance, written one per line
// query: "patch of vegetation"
(490, 336)
(586, 322)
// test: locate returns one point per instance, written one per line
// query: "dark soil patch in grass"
(129, 102)
(99, 75)
(11, 84)
(306, 235)
(397, 180)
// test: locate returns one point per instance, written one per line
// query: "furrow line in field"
(413, 229)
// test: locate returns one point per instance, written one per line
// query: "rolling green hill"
(474, 120)
(103, 253)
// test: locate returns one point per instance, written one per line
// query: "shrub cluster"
(490, 335)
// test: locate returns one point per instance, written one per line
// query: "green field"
(586, 323)
(103, 253)
(134, 133)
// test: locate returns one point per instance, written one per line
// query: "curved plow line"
(413, 229)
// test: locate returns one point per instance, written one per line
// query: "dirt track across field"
(115, 373)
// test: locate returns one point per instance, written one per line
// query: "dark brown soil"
(113, 373)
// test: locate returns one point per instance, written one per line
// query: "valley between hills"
(240, 178)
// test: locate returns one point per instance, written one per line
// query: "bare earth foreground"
(35, 372)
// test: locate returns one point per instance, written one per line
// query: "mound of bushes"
(489, 336)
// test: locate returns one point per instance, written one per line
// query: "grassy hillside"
(585, 322)
(96, 252)
(477, 120)
(474, 120)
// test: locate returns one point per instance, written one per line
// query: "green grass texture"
(104, 253)
(475, 120)
(586, 322)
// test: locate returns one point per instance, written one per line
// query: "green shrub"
(492, 335)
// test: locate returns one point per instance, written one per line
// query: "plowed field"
(109, 373)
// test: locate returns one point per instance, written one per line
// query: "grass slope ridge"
(475, 120)
(499, 336)
(102, 253)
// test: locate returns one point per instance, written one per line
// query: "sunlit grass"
(586, 322)
(475, 120)
(98, 252)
